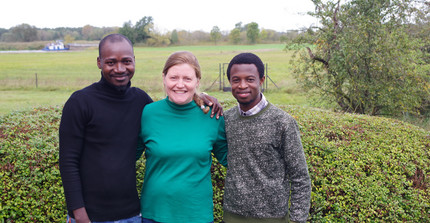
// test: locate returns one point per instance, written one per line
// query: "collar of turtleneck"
(118, 90)
(184, 107)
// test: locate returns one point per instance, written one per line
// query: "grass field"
(60, 73)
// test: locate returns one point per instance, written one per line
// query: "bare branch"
(317, 58)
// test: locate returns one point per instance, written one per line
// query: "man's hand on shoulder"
(209, 101)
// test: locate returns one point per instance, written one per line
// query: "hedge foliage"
(363, 169)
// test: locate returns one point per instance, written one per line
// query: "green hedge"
(362, 168)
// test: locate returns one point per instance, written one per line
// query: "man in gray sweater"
(267, 177)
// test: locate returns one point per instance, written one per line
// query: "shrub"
(362, 168)
(31, 188)
(365, 168)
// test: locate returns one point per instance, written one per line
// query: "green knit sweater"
(266, 162)
(179, 140)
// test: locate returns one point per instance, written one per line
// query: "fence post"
(36, 79)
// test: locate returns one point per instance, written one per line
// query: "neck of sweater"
(183, 107)
(113, 89)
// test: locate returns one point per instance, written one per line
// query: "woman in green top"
(179, 139)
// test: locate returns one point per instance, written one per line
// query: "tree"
(235, 36)
(24, 33)
(87, 31)
(239, 26)
(363, 59)
(174, 39)
(143, 29)
(2, 31)
(158, 39)
(252, 32)
(128, 31)
(68, 39)
(215, 34)
(140, 32)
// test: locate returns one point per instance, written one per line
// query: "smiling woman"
(179, 139)
(181, 77)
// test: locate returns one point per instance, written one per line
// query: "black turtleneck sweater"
(98, 139)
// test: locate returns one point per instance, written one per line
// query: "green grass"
(61, 73)
(20, 100)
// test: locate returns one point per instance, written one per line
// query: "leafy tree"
(7, 37)
(264, 34)
(269, 35)
(239, 26)
(128, 31)
(174, 39)
(140, 32)
(24, 33)
(252, 32)
(87, 32)
(363, 59)
(143, 29)
(68, 39)
(215, 34)
(158, 39)
(235, 36)
(2, 31)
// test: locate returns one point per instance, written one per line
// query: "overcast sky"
(189, 15)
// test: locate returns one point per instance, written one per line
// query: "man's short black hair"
(116, 37)
(247, 58)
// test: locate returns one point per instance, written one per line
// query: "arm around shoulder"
(220, 149)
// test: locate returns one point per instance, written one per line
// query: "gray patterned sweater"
(266, 165)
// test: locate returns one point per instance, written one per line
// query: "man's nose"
(242, 84)
(120, 68)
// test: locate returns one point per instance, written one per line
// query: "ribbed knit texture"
(179, 140)
(98, 138)
(265, 162)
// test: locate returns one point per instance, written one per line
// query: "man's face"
(245, 85)
(117, 62)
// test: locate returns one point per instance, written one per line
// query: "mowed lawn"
(30, 80)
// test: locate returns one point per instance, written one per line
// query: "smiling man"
(267, 169)
(98, 140)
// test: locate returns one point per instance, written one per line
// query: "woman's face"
(180, 83)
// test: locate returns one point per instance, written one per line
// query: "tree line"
(143, 33)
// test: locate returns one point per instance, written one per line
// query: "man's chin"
(121, 83)
(243, 102)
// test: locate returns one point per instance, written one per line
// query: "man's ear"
(99, 63)
(262, 80)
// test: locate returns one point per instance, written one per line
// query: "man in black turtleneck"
(98, 139)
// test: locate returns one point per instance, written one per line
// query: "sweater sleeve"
(140, 144)
(220, 148)
(140, 148)
(297, 171)
(71, 138)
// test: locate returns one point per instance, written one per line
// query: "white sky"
(189, 15)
